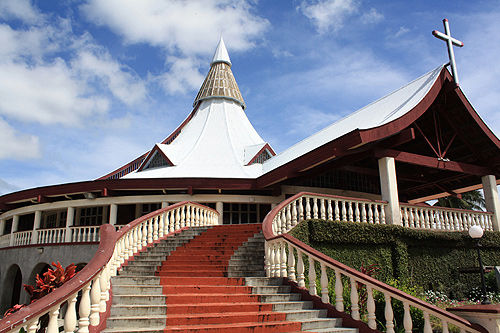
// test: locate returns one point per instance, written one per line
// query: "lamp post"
(476, 232)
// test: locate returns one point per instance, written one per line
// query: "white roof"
(378, 113)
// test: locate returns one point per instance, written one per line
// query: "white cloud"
(19, 9)
(17, 146)
(189, 27)
(329, 15)
(372, 16)
(182, 76)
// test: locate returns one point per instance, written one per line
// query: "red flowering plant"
(50, 280)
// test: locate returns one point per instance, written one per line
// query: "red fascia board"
(127, 184)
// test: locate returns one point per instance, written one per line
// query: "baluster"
(322, 209)
(382, 214)
(130, 236)
(427, 219)
(170, 221)
(408, 325)
(357, 213)
(370, 308)
(103, 283)
(432, 220)
(144, 233)
(53, 327)
(422, 218)
(460, 225)
(95, 299)
(126, 244)
(156, 228)
(268, 260)
(283, 222)
(312, 277)
(301, 211)
(300, 270)
(324, 284)
(183, 216)
(198, 224)
(411, 218)
(84, 311)
(32, 326)
(283, 260)
(350, 212)
(452, 220)
(150, 231)
(277, 223)
(416, 216)
(274, 226)
(354, 300)
(444, 324)
(389, 314)
(344, 212)
(330, 210)
(376, 218)
(70, 316)
(161, 225)
(188, 216)
(308, 208)
(446, 221)
(291, 263)
(294, 213)
(273, 260)
(337, 210)
(315, 208)
(339, 289)
(427, 322)
(288, 218)
(177, 219)
(277, 260)
(135, 240)
(370, 213)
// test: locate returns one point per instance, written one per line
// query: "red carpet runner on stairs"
(201, 298)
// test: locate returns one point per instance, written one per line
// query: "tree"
(473, 200)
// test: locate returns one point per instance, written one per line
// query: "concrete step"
(138, 310)
(138, 299)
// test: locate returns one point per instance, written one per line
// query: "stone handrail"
(306, 205)
(282, 249)
(442, 218)
(93, 281)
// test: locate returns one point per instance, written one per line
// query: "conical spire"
(220, 82)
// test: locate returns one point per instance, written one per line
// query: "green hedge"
(425, 258)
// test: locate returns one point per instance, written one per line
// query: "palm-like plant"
(473, 200)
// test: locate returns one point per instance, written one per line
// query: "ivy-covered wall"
(428, 259)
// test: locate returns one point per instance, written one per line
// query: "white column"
(15, 225)
(219, 207)
(70, 221)
(164, 204)
(36, 225)
(389, 189)
(491, 197)
(113, 213)
(105, 212)
(2, 227)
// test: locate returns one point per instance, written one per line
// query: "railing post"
(84, 311)
(389, 189)
(36, 226)
(70, 316)
(389, 314)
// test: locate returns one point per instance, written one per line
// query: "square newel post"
(219, 207)
(491, 197)
(70, 221)
(389, 189)
(113, 213)
(15, 225)
(36, 226)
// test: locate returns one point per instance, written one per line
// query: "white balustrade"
(308, 205)
(118, 246)
(55, 235)
(439, 218)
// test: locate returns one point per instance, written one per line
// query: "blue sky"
(86, 86)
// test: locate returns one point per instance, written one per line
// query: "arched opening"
(39, 269)
(13, 284)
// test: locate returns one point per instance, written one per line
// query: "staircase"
(209, 280)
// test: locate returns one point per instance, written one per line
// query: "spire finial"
(221, 54)
(450, 41)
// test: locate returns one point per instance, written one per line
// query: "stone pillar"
(219, 207)
(389, 189)
(15, 225)
(113, 213)
(70, 221)
(2, 227)
(491, 197)
(164, 204)
(36, 226)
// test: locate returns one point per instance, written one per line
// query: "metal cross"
(450, 41)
